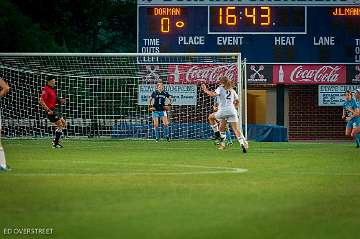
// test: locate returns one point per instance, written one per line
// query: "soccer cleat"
(57, 146)
(221, 146)
(243, 149)
(5, 169)
(244, 146)
(168, 139)
(157, 140)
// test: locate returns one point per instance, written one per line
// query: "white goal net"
(106, 94)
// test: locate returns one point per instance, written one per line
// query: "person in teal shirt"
(351, 114)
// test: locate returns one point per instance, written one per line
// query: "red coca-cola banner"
(309, 74)
(197, 74)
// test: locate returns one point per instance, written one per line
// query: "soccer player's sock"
(228, 136)
(222, 136)
(242, 136)
(2, 158)
(357, 139)
(222, 140)
(215, 127)
(166, 131)
(157, 133)
(240, 140)
(58, 134)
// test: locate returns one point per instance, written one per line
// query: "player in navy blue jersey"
(159, 104)
(351, 114)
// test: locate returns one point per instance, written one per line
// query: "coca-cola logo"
(210, 74)
(328, 74)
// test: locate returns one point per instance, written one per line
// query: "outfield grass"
(140, 189)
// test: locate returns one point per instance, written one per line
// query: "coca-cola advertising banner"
(309, 74)
(197, 74)
(259, 74)
(353, 74)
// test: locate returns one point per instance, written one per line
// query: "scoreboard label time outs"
(263, 31)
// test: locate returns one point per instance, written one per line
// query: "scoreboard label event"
(263, 31)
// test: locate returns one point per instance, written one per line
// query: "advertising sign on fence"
(353, 74)
(259, 74)
(309, 74)
(181, 94)
(198, 74)
(333, 95)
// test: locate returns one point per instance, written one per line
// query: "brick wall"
(309, 121)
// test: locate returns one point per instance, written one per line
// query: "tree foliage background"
(67, 26)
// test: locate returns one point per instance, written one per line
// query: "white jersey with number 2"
(226, 98)
(226, 107)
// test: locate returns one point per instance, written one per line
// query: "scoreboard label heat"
(263, 31)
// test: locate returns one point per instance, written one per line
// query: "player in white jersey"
(227, 113)
(4, 90)
(227, 129)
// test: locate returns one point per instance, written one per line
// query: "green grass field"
(140, 189)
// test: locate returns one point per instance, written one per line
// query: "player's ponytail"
(226, 82)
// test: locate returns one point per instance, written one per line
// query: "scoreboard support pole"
(280, 97)
(242, 92)
(245, 98)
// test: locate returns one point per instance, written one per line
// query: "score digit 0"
(165, 24)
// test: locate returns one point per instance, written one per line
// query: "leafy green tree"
(68, 25)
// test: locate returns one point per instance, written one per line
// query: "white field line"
(135, 147)
(204, 170)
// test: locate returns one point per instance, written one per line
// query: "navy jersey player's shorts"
(159, 114)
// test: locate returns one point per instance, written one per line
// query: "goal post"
(106, 93)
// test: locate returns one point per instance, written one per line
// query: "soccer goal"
(106, 94)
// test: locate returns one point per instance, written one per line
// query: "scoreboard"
(264, 31)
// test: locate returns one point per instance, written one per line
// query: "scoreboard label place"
(191, 40)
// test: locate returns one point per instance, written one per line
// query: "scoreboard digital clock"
(263, 31)
(256, 19)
